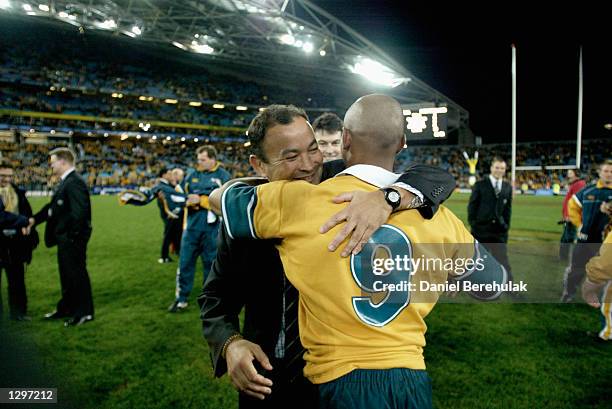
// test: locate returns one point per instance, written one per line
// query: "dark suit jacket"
(488, 215)
(11, 221)
(18, 248)
(68, 215)
(249, 273)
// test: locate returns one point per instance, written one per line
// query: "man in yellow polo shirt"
(360, 319)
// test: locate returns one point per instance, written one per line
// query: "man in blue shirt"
(201, 225)
(585, 212)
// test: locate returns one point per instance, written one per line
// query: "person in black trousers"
(259, 354)
(490, 211)
(171, 213)
(15, 247)
(68, 218)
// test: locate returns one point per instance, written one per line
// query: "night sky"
(464, 51)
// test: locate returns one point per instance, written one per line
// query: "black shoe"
(73, 322)
(54, 315)
(177, 306)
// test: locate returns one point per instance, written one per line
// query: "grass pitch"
(136, 355)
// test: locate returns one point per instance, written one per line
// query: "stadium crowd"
(105, 162)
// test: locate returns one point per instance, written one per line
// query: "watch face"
(394, 197)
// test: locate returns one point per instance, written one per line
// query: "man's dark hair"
(64, 153)
(328, 123)
(209, 149)
(576, 172)
(497, 159)
(268, 118)
(162, 171)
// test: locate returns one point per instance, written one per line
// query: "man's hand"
(239, 357)
(591, 292)
(365, 213)
(606, 207)
(193, 200)
(172, 215)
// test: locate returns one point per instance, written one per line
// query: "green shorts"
(378, 389)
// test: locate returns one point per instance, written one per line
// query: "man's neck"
(66, 172)
(386, 164)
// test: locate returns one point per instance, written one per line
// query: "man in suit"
(68, 218)
(490, 210)
(15, 247)
(260, 355)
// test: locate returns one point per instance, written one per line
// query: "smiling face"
(291, 153)
(498, 169)
(330, 144)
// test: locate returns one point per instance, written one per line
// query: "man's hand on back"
(365, 213)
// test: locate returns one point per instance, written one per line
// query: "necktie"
(293, 356)
(497, 187)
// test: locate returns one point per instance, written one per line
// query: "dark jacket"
(11, 221)
(488, 214)
(68, 215)
(249, 273)
(16, 247)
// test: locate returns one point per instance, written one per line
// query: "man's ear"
(346, 139)
(402, 145)
(257, 164)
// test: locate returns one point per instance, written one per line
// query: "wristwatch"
(392, 197)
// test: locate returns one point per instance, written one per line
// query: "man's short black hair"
(497, 159)
(328, 123)
(162, 171)
(266, 119)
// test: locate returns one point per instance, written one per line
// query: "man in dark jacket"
(15, 247)
(490, 210)
(68, 218)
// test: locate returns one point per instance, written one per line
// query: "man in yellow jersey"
(362, 349)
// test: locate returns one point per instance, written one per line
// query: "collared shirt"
(379, 177)
(497, 183)
(66, 173)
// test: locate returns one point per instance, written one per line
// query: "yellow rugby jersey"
(345, 321)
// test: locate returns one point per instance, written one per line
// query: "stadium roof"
(293, 41)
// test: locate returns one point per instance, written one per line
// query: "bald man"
(361, 347)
